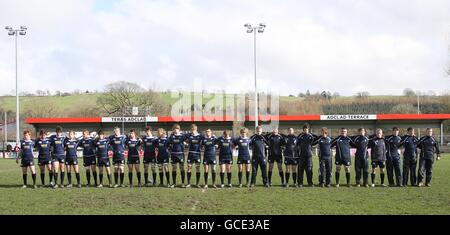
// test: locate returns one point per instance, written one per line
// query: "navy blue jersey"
(163, 147)
(101, 147)
(148, 144)
(43, 146)
(243, 145)
(290, 150)
(324, 147)
(176, 143)
(133, 147)
(194, 142)
(409, 143)
(378, 149)
(258, 145)
(343, 145)
(276, 143)
(71, 146)
(209, 145)
(225, 147)
(118, 144)
(26, 148)
(393, 144)
(57, 144)
(88, 146)
(428, 146)
(304, 143)
(361, 144)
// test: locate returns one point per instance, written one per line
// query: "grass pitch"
(259, 200)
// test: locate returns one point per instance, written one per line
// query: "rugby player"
(194, 140)
(71, 145)
(58, 155)
(89, 163)
(291, 157)
(259, 144)
(343, 143)
(176, 145)
(325, 161)
(377, 145)
(148, 144)
(276, 143)
(393, 158)
(225, 145)
(243, 161)
(305, 164)
(162, 158)
(101, 145)
(409, 143)
(26, 158)
(361, 157)
(428, 146)
(117, 142)
(133, 144)
(44, 159)
(209, 157)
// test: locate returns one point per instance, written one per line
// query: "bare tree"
(119, 96)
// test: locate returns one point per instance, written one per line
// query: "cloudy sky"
(345, 46)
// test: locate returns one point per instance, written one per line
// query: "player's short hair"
(325, 130)
(243, 130)
(306, 126)
(132, 131)
(379, 130)
(161, 130)
(117, 128)
(71, 132)
(193, 125)
(176, 126)
(84, 131)
(395, 128)
(344, 129)
(26, 132)
(409, 129)
(59, 129)
(361, 129)
(429, 128)
(42, 132)
(100, 132)
(226, 132)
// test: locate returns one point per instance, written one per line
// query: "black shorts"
(44, 160)
(193, 160)
(162, 160)
(89, 161)
(149, 159)
(380, 164)
(59, 158)
(177, 158)
(345, 162)
(133, 160)
(71, 161)
(291, 161)
(26, 162)
(243, 161)
(118, 157)
(103, 162)
(275, 158)
(118, 161)
(208, 161)
(228, 161)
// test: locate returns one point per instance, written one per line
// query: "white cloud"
(345, 46)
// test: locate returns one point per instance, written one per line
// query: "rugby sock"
(161, 178)
(145, 178)
(281, 176)
(88, 177)
(229, 177)
(168, 177)
(43, 178)
(69, 177)
(222, 176)
(109, 178)
(130, 177)
(214, 177)
(294, 177)
(382, 178)
(62, 178)
(94, 173)
(189, 177)
(77, 175)
(116, 177)
(347, 177)
(269, 175)
(50, 176)
(205, 175)
(337, 177)
(154, 177)
(33, 177)
(182, 176)
(372, 176)
(240, 177)
(247, 177)
(55, 177)
(197, 176)
(100, 177)
(174, 177)
(24, 177)
(288, 175)
(122, 177)
(139, 177)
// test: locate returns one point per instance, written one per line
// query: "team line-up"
(58, 154)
